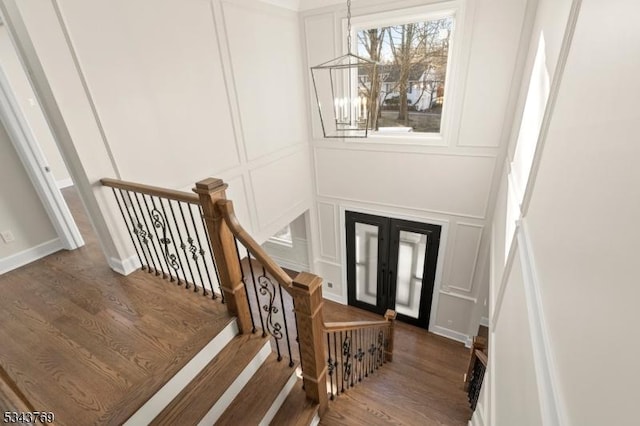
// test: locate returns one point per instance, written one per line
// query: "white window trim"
(455, 83)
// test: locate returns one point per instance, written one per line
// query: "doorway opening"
(391, 264)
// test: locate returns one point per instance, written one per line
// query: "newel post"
(211, 190)
(390, 316)
(307, 296)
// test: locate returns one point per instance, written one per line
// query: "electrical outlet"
(7, 236)
(330, 285)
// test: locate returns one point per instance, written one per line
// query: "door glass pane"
(411, 254)
(366, 263)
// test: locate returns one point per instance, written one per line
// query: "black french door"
(391, 264)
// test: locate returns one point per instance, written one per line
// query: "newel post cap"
(210, 185)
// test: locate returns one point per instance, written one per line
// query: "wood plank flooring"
(90, 345)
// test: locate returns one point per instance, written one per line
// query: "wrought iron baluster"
(286, 326)
(330, 366)
(255, 290)
(372, 350)
(346, 360)
(253, 323)
(295, 317)
(157, 240)
(268, 288)
(130, 230)
(360, 354)
(344, 366)
(335, 357)
(173, 257)
(354, 365)
(202, 253)
(143, 231)
(213, 260)
(159, 221)
(183, 246)
(380, 348)
(193, 249)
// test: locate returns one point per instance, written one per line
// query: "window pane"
(411, 254)
(366, 263)
(412, 73)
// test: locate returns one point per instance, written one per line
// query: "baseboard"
(125, 266)
(451, 334)
(333, 297)
(477, 418)
(484, 321)
(64, 183)
(24, 257)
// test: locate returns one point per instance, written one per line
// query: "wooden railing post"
(307, 296)
(390, 316)
(224, 251)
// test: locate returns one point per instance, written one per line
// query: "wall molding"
(469, 288)
(451, 334)
(124, 266)
(457, 295)
(32, 254)
(64, 183)
(323, 251)
(548, 386)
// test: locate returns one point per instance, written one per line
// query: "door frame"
(37, 168)
(386, 211)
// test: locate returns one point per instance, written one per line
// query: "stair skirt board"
(277, 403)
(232, 391)
(182, 378)
(316, 420)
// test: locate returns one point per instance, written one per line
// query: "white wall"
(31, 110)
(170, 92)
(571, 269)
(449, 182)
(21, 213)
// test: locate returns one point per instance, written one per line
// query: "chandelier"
(345, 94)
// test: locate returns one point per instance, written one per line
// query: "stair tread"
(197, 398)
(255, 399)
(296, 410)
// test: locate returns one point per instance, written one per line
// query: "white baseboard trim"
(333, 297)
(125, 266)
(484, 321)
(451, 334)
(32, 254)
(64, 183)
(477, 419)
(277, 403)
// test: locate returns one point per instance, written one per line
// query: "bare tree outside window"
(413, 65)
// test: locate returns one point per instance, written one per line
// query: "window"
(414, 52)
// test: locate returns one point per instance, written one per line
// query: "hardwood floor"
(90, 345)
(422, 386)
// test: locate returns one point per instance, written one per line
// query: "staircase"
(235, 379)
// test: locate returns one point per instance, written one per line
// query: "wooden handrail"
(226, 207)
(171, 194)
(353, 325)
(482, 357)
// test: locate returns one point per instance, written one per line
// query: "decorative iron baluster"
(173, 257)
(380, 346)
(372, 351)
(202, 253)
(360, 355)
(159, 221)
(335, 357)
(129, 229)
(183, 246)
(142, 229)
(157, 239)
(253, 323)
(346, 363)
(286, 326)
(255, 290)
(330, 366)
(268, 288)
(192, 248)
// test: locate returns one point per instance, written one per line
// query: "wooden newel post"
(210, 191)
(307, 296)
(390, 316)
